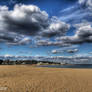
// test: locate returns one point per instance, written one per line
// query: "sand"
(22, 78)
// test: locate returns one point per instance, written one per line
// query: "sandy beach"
(22, 78)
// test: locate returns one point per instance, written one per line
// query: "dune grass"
(22, 78)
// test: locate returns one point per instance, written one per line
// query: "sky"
(45, 27)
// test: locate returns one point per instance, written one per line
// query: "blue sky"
(69, 12)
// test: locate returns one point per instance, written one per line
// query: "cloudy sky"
(46, 27)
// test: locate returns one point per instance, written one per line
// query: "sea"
(89, 66)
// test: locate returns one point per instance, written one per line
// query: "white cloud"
(57, 28)
(83, 34)
(28, 20)
(82, 10)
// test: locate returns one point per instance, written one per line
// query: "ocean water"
(68, 66)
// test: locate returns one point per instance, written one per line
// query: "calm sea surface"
(68, 66)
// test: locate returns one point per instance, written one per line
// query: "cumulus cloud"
(56, 28)
(69, 49)
(17, 25)
(57, 51)
(72, 50)
(28, 20)
(83, 35)
(21, 21)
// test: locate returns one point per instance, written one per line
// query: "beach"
(27, 78)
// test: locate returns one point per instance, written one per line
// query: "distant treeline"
(19, 62)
